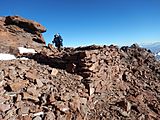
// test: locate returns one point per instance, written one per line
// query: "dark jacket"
(58, 41)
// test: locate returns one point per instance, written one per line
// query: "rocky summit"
(84, 83)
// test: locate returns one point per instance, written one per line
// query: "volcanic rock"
(16, 31)
(119, 83)
(4, 107)
(27, 96)
(18, 85)
(27, 25)
(91, 82)
(54, 72)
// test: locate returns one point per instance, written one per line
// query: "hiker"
(58, 41)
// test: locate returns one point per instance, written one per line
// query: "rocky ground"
(88, 83)
(84, 83)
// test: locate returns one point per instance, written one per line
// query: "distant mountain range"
(155, 48)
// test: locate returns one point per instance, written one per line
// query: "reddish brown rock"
(24, 23)
(52, 98)
(23, 110)
(16, 31)
(33, 91)
(54, 72)
(18, 85)
(94, 66)
(50, 116)
(104, 84)
(71, 67)
(4, 107)
(51, 47)
(32, 75)
(19, 98)
(39, 83)
(27, 96)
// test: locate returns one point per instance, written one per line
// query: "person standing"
(58, 41)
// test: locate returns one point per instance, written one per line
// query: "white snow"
(25, 50)
(4, 56)
(157, 54)
(38, 113)
(65, 109)
(23, 58)
(22, 50)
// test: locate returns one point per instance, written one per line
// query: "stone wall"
(97, 65)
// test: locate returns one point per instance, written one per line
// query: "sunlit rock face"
(16, 31)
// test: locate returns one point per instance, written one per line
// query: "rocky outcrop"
(16, 31)
(27, 25)
(92, 82)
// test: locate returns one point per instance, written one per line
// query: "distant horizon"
(87, 22)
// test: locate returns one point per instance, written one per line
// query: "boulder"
(16, 31)
(27, 25)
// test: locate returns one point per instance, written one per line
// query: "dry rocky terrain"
(84, 83)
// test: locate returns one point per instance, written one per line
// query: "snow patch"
(25, 50)
(4, 56)
(65, 109)
(23, 58)
(39, 113)
(157, 54)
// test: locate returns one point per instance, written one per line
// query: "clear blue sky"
(86, 22)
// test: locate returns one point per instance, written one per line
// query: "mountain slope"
(92, 82)
(155, 48)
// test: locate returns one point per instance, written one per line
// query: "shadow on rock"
(55, 62)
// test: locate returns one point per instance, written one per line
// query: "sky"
(87, 22)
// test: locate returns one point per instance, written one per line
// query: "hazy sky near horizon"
(86, 22)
